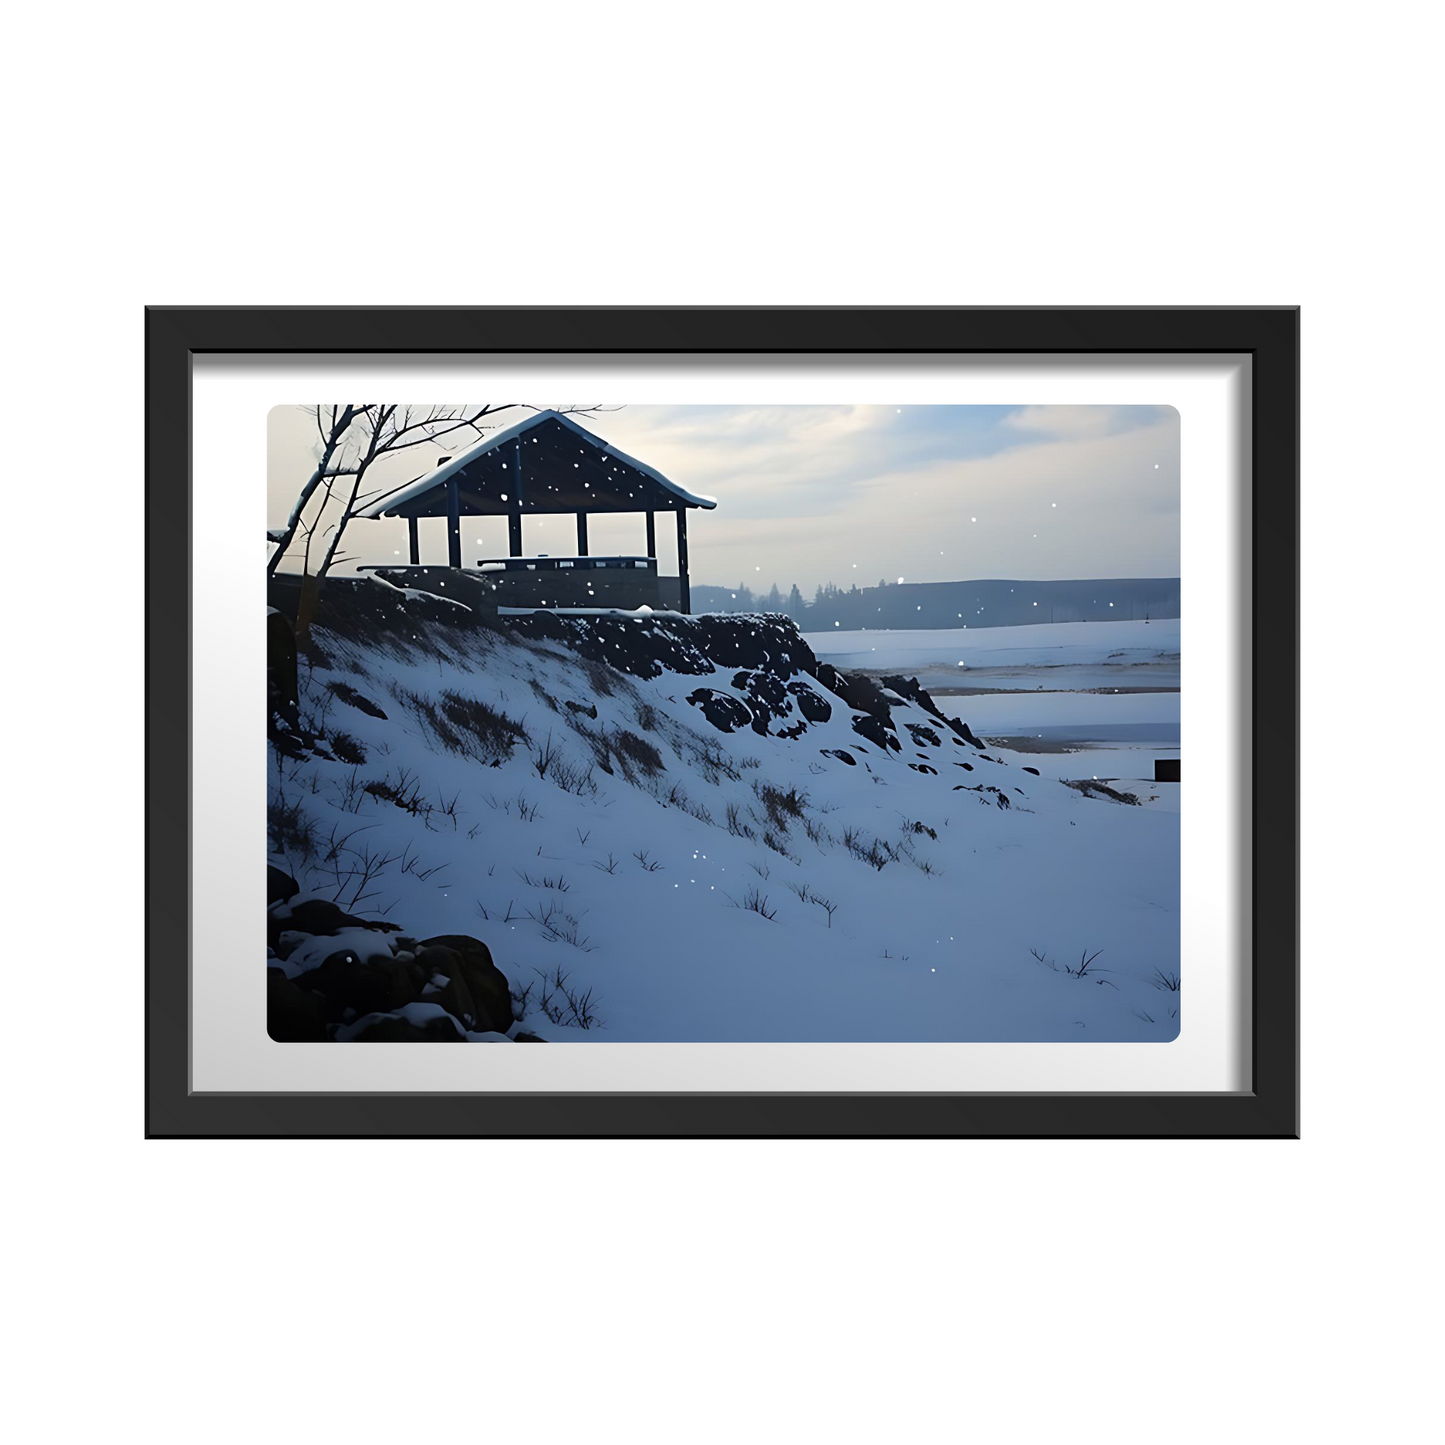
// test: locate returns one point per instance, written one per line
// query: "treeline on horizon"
(995, 602)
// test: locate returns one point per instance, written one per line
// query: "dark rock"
(456, 996)
(584, 711)
(815, 708)
(491, 994)
(767, 697)
(876, 731)
(369, 985)
(725, 712)
(923, 768)
(964, 733)
(841, 754)
(287, 944)
(279, 886)
(668, 642)
(862, 694)
(1034, 771)
(402, 1031)
(292, 1015)
(924, 736)
(319, 917)
(909, 687)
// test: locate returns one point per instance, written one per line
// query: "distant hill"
(987, 602)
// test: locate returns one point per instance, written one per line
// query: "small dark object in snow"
(1034, 771)
(967, 767)
(344, 692)
(841, 754)
(999, 796)
(1092, 788)
(923, 768)
(584, 711)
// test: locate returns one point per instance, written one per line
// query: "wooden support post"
(514, 519)
(652, 534)
(582, 534)
(415, 541)
(682, 560)
(454, 525)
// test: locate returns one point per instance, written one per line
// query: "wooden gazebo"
(549, 465)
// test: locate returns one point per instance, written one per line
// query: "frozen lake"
(1086, 716)
(1108, 689)
(1110, 653)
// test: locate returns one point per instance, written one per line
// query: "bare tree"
(332, 424)
(351, 439)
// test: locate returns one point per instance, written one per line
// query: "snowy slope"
(687, 819)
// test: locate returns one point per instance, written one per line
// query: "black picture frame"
(1268, 335)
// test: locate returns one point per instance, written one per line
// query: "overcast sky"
(813, 494)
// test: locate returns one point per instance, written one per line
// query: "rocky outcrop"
(331, 975)
(762, 673)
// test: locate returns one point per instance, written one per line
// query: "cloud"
(1059, 423)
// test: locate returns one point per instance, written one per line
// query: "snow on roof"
(412, 491)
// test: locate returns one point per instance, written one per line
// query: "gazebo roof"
(563, 468)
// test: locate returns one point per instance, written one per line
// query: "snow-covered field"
(798, 881)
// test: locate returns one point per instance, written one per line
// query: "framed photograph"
(778, 715)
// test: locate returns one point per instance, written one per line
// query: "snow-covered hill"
(669, 828)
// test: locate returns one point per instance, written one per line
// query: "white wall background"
(748, 153)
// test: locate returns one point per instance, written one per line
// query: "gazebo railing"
(566, 564)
